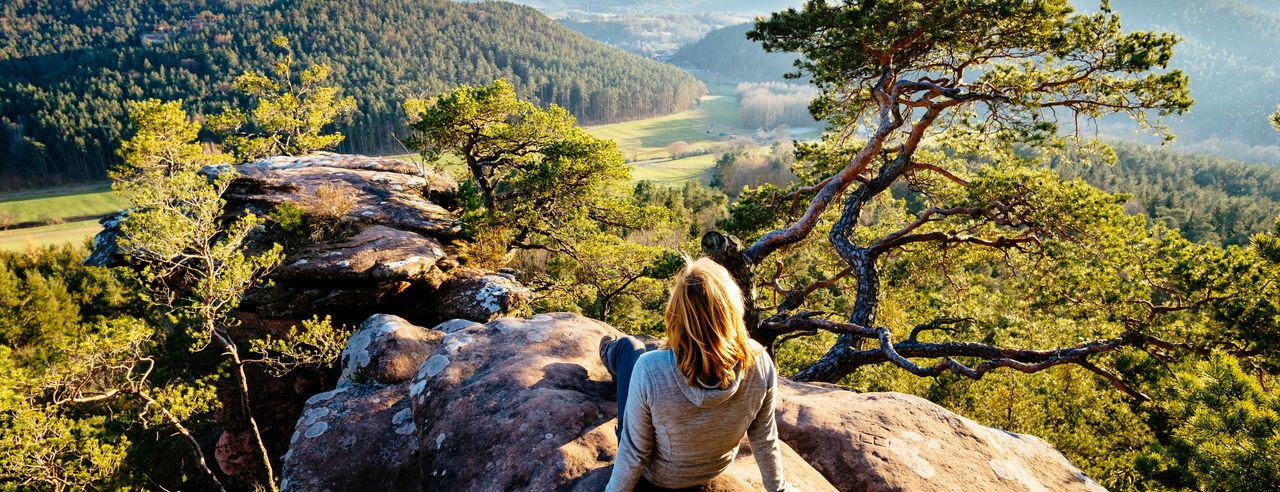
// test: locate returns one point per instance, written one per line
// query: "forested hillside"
(1228, 49)
(67, 68)
(1211, 200)
(728, 52)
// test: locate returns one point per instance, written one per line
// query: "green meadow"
(715, 119)
(57, 204)
(31, 237)
(69, 214)
(674, 171)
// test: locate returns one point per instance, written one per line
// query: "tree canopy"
(548, 197)
(945, 93)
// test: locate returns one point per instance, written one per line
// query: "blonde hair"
(705, 330)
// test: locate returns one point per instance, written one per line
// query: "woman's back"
(691, 434)
(683, 411)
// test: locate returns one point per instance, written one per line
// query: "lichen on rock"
(525, 404)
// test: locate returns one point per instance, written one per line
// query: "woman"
(682, 411)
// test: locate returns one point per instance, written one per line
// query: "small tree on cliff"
(543, 186)
(953, 100)
(195, 261)
(290, 115)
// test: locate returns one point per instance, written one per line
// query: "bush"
(326, 211)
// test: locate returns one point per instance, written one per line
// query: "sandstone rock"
(455, 325)
(396, 258)
(105, 251)
(515, 404)
(376, 253)
(480, 296)
(237, 456)
(798, 472)
(525, 404)
(390, 192)
(359, 437)
(385, 350)
(897, 442)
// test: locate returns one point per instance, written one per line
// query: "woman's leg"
(621, 356)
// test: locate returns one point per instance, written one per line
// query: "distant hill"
(727, 52)
(1231, 50)
(650, 35)
(66, 68)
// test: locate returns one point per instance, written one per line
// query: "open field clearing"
(714, 120)
(674, 171)
(70, 232)
(58, 203)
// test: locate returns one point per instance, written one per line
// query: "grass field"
(714, 120)
(674, 171)
(55, 204)
(71, 232)
(59, 203)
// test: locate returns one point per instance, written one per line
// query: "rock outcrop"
(395, 257)
(525, 404)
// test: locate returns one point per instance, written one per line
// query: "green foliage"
(1210, 200)
(164, 141)
(1268, 245)
(550, 196)
(694, 207)
(289, 116)
(94, 358)
(46, 296)
(735, 170)
(69, 67)
(291, 219)
(40, 449)
(1275, 119)
(610, 278)
(1225, 429)
(1034, 55)
(317, 344)
(195, 265)
(54, 430)
(537, 175)
(961, 225)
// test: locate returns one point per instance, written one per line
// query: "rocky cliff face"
(525, 404)
(396, 258)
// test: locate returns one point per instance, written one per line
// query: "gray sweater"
(681, 436)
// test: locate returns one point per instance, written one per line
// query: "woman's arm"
(763, 433)
(636, 445)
